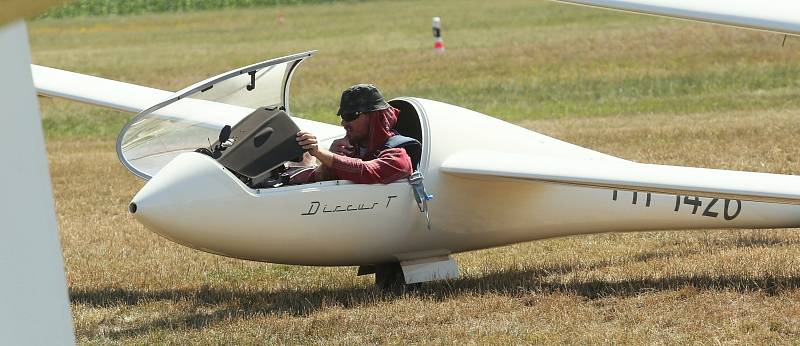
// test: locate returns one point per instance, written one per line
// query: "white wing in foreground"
(781, 16)
(627, 175)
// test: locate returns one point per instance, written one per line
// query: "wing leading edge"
(628, 175)
(781, 16)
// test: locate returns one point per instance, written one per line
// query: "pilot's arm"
(390, 165)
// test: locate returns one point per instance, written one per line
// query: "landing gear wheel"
(389, 277)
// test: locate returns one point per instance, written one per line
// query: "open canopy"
(192, 117)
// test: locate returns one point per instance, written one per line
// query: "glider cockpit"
(193, 117)
(242, 125)
(217, 117)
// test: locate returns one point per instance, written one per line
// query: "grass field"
(77, 8)
(646, 89)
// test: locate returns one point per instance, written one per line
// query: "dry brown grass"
(128, 285)
(516, 59)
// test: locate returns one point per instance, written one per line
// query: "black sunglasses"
(351, 116)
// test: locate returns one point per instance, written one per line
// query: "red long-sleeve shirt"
(390, 165)
(378, 164)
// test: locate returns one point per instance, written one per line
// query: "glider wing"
(628, 175)
(781, 16)
(98, 91)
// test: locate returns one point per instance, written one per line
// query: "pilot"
(361, 156)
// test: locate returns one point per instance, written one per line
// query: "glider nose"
(147, 203)
(153, 204)
(132, 208)
(185, 197)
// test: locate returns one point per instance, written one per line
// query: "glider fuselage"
(195, 201)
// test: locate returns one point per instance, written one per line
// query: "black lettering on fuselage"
(635, 198)
(312, 209)
(315, 206)
(389, 200)
(730, 209)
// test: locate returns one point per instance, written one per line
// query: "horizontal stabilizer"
(781, 16)
(628, 175)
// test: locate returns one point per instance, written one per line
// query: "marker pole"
(438, 45)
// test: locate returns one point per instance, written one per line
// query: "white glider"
(494, 183)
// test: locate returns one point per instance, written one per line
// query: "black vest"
(412, 146)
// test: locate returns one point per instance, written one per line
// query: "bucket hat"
(361, 98)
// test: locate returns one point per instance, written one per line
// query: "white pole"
(34, 305)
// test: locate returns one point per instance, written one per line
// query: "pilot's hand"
(308, 141)
(305, 161)
(342, 146)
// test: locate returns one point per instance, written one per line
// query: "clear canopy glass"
(192, 117)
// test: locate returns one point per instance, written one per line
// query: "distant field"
(78, 8)
(514, 60)
(643, 88)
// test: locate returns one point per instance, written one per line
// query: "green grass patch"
(514, 60)
(71, 120)
(78, 8)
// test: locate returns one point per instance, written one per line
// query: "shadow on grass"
(752, 240)
(209, 306)
(212, 306)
